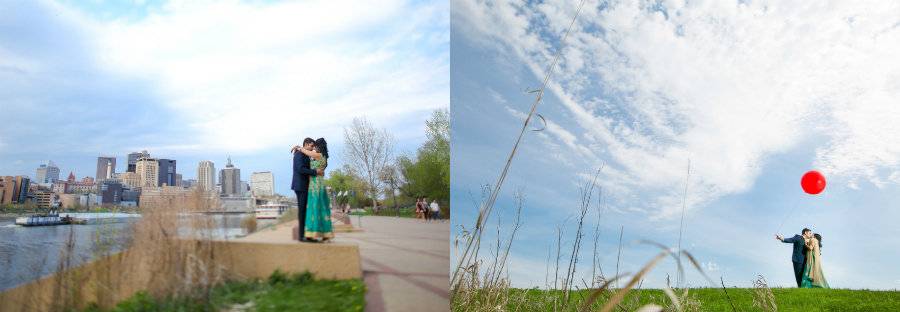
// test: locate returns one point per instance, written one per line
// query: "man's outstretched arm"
(791, 240)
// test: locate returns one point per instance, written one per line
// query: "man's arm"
(789, 240)
(302, 168)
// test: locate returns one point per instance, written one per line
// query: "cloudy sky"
(751, 93)
(201, 80)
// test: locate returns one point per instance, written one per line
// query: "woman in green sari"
(812, 273)
(318, 207)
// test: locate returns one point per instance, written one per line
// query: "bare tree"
(368, 150)
(392, 178)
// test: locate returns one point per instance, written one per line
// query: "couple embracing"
(313, 204)
(807, 259)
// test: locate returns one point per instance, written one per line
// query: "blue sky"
(201, 80)
(754, 94)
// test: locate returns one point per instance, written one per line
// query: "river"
(28, 253)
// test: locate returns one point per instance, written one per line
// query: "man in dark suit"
(300, 184)
(799, 255)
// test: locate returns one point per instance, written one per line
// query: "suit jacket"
(302, 172)
(799, 248)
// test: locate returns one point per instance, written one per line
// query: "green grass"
(407, 212)
(714, 299)
(280, 292)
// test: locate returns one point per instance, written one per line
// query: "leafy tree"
(345, 181)
(428, 172)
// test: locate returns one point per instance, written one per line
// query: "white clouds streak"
(245, 77)
(725, 84)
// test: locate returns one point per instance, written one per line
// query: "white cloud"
(244, 77)
(724, 84)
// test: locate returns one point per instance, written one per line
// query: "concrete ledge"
(111, 279)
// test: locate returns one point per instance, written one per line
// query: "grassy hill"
(715, 299)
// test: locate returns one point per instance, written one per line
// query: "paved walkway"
(405, 263)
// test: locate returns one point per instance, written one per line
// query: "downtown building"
(106, 168)
(47, 173)
(206, 176)
(167, 175)
(262, 184)
(133, 158)
(230, 179)
(15, 189)
(147, 170)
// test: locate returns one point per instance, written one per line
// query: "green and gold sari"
(318, 207)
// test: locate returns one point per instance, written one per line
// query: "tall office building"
(262, 183)
(148, 171)
(47, 173)
(206, 175)
(8, 184)
(178, 180)
(244, 189)
(130, 179)
(110, 192)
(166, 172)
(133, 158)
(106, 168)
(15, 189)
(230, 178)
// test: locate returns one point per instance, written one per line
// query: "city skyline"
(246, 102)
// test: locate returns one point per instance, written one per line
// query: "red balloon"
(813, 182)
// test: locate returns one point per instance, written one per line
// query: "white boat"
(270, 211)
(51, 218)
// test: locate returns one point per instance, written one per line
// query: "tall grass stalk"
(484, 212)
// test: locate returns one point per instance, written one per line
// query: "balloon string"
(791, 211)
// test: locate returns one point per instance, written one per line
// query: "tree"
(368, 150)
(345, 184)
(428, 172)
(392, 178)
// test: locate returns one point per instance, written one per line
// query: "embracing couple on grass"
(308, 182)
(807, 259)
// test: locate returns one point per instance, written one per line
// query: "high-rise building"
(178, 181)
(133, 158)
(110, 192)
(22, 185)
(130, 179)
(148, 171)
(15, 189)
(262, 183)
(230, 178)
(47, 173)
(166, 172)
(106, 167)
(43, 198)
(7, 187)
(244, 189)
(206, 175)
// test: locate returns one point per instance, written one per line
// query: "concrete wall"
(114, 278)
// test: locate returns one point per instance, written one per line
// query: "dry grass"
(171, 253)
(763, 298)
(249, 223)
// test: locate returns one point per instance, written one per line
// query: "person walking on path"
(435, 210)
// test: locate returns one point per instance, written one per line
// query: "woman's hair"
(322, 147)
(819, 238)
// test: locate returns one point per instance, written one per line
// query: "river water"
(28, 253)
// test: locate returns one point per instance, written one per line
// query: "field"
(714, 299)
